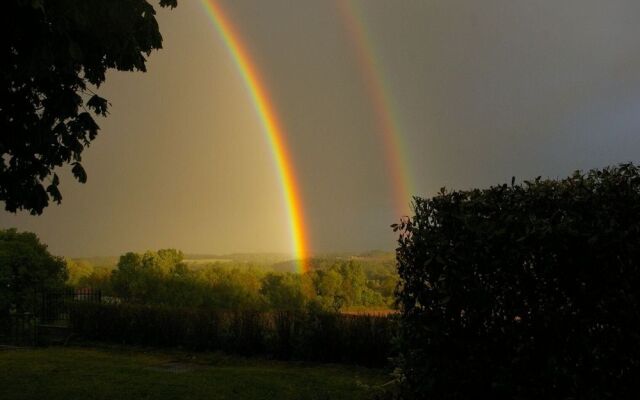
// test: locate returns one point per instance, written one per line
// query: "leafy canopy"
(26, 266)
(523, 291)
(54, 52)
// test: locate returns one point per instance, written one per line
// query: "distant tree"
(328, 285)
(353, 282)
(144, 277)
(235, 289)
(99, 279)
(53, 53)
(283, 291)
(163, 261)
(26, 266)
(77, 270)
(161, 277)
(125, 280)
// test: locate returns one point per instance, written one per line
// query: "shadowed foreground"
(63, 373)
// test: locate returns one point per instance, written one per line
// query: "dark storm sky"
(481, 91)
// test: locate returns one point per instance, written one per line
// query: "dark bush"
(360, 339)
(144, 325)
(523, 291)
(304, 335)
(245, 332)
(285, 335)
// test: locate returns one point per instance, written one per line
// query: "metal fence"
(54, 306)
(50, 317)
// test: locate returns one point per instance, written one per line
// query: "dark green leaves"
(524, 291)
(26, 266)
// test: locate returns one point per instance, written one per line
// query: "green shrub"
(523, 291)
(26, 266)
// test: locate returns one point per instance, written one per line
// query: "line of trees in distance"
(164, 277)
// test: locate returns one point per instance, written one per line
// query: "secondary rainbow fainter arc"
(394, 152)
(272, 127)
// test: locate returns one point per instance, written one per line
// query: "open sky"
(377, 100)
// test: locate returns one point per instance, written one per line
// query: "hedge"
(314, 336)
(523, 291)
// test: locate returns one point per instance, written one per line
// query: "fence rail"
(50, 317)
(53, 306)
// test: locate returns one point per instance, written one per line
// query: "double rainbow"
(370, 67)
(272, 128)
(388, 126)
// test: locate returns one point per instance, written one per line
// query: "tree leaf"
(55, 193)
(98, 104)
(79, 172)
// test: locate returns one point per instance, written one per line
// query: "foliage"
(306, 334)
(54, 53)
(343, 284)
(524, 291)
(283, 291)
(140, 277)
(98, 279)
(164, 278)
(26, 266)
(78, 270)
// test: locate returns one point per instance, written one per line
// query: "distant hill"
(277, 262)
(261, 258)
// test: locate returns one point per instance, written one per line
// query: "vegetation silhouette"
(55, 53)
(308, 334)
(524, 291)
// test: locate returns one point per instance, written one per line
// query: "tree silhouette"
(54, 52)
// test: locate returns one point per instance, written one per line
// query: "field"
(90, 373)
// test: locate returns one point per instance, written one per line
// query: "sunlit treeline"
(163, 277)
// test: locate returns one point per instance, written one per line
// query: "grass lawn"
(89, 373)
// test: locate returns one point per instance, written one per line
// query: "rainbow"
(395, 153)
(272, 127)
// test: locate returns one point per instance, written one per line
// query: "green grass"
(89, 373)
